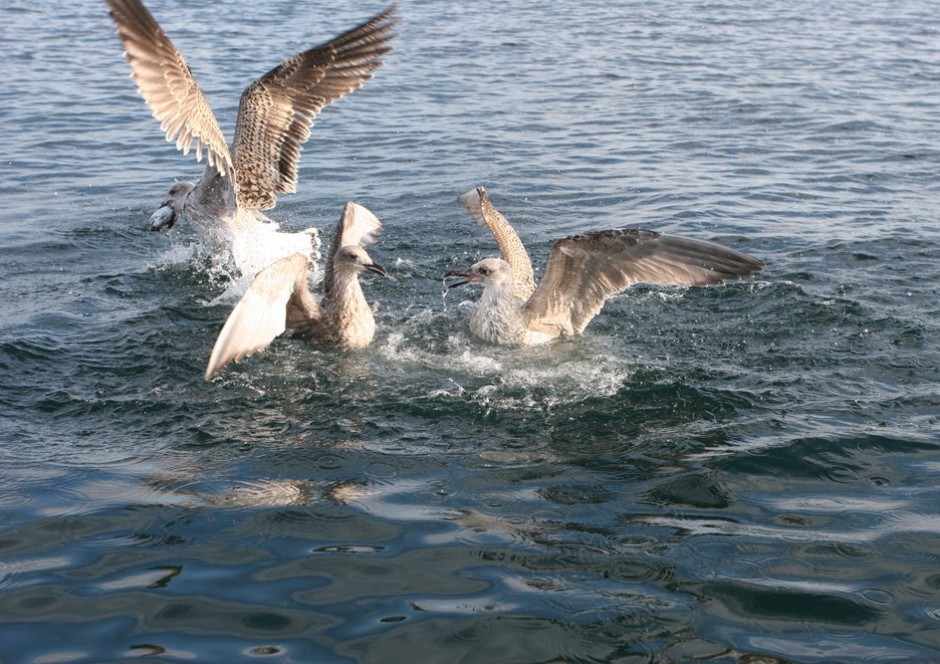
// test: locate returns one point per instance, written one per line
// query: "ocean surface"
(743, 474)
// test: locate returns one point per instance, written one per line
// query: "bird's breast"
(353, 326)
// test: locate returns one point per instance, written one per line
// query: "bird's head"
(355, 258)
(172, 208)
(489, 271)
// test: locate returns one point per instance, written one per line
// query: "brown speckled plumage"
(510, 246)
(275, 115)
(583, 271)
(276, 112)
(279, 299)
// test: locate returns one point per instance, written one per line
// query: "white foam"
(501, 377)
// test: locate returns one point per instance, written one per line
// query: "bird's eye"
(484, 271)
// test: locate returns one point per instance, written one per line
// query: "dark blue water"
(738, 474)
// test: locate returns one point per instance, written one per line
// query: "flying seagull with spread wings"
(582, 272)
(275, 115)
(279, 298)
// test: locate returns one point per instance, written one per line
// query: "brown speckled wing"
(166, 83)
(510, 246)
(277, 111)
(584, 270)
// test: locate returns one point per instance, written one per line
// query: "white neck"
(349, 311)
(498, 318)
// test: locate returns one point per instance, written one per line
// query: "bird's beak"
(468, 277)
(163, 217)
(378, 269)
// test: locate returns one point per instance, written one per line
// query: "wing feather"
(510, 245)
(166, 83)
(357, 225)
(277, 111)
(584, 270)
(277, 299)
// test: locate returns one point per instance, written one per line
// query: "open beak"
(163, 217)
(468, 277)
(378, 269)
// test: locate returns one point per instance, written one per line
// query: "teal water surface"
(735, 474)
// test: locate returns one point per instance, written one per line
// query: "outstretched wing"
(510, 246)
(584, 270)
(277, 299)
(166, 83)
(357, 225)
(277, 110)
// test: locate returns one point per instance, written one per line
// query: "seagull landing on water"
(275, 115)
(279, 298)
(582, 272)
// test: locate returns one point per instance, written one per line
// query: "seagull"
(275, 115)
(582, 272)
(279, 298)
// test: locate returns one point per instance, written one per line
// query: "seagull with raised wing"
(582, 272)
(275, 115)
(279, 298)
